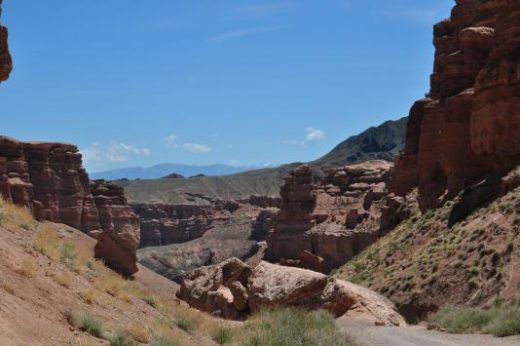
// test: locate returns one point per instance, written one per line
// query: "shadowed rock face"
(469, 124)
(6, 64)
(49, 179)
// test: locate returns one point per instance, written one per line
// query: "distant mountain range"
(377, 143)
(165, 169)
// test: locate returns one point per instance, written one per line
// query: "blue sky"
(205, 81)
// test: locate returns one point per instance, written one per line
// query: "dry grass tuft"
(88, 295)
(64, 279)
(15, 218)
(48, 242)
(141, 332)
(27, 269)
(7, 287)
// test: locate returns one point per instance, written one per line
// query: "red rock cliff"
(469, 124)
(49, 179)
(5, 58)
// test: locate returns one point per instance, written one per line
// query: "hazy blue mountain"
(165, 169)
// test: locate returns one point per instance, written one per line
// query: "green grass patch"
(92, 325)
(502, 320)
(222, 335)
(122, 338)
(185, 324)
(293, 327)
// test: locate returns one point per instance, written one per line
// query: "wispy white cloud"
(311, 135)
(171, 141)
(100, 153)
(243, 33)
(196, 148)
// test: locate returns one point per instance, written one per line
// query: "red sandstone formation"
(171, 224)
(469, 125)
(335, 220)
(232, 289)
(49, 179)
(6, 64)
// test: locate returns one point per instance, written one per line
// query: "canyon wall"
(6, 64)
(468, 126)
(321, 226)
(49, 179)
(163, 224)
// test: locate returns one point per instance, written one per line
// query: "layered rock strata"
(469, 125)
(6, 64)
(233, 289)
(163, 224)
(335, 219)
(49, 179)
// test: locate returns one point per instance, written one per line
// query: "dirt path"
(369, 335)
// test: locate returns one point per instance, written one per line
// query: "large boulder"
(233, 289)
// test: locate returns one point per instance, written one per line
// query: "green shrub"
(163, 342)
(92, 325)
(222, 335)
(122, 338)
(152, 301)
(461, 319)
(68, 252)
(293, 327)
(506, 323)
(185, 324)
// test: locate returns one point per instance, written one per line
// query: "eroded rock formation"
(335, 219)
(163, 224)
(469, 124)
(233, 289)
(6, 64)
(49, 179)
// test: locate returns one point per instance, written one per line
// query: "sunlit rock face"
(6, 64)
(469, 124)
(49, 179)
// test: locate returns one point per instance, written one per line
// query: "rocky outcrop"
(49, 179)
(6, 64)
(120, 234)
(468, 126)
(334, 219)
(264, 201)
(233, 289)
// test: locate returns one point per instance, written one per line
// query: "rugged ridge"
(6, 64)
(49, 179)
(468, 126)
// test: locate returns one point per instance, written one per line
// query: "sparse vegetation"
(501, 320)
(292, 327)
(122, 338)
(185, 323)
(140, 332)
(222, 335)
(163, 342)
(152, 301)
(92, 325)
(27, 269)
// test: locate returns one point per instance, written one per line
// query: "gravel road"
(368, 335)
